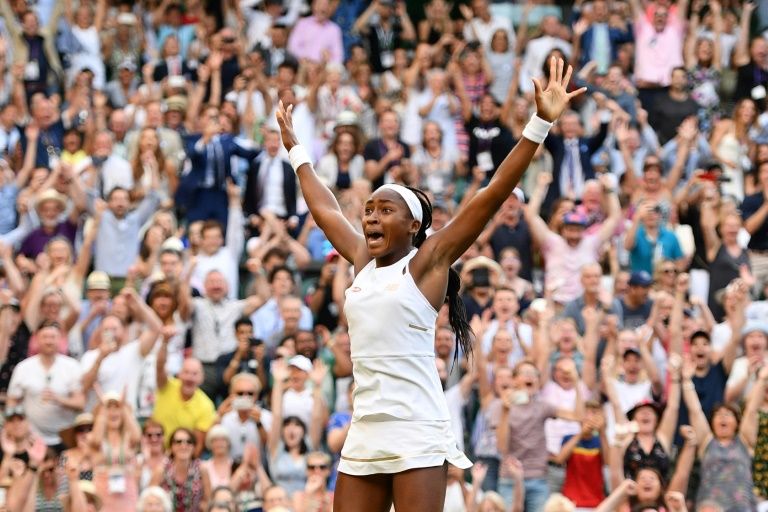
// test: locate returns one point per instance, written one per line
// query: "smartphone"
(242, 403)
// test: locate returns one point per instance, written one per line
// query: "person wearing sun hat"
(50, 205)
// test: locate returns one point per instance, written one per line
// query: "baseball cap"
(575, 219)
(98, 280)
(301, 362)
(126, 18)
(640, 278)
(519, 194)
(127, 64)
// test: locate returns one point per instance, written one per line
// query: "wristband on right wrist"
(537, 129)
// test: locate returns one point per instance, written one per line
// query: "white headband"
(409, 197)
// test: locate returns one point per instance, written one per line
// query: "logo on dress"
(355, 289)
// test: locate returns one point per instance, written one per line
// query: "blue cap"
(575, 219)
(640, 278)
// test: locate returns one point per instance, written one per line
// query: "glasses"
(154, 435)
(244, 393)
(184, 441)
(669, 271)
(83, 430)
(314, 467)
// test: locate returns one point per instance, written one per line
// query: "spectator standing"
(316, 37)
(52, 402)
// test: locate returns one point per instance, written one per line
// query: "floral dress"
(726, 476)
(187, 495)
(704, 83)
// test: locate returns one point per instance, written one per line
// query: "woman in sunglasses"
(116, 438)
(315, 497)
(79, 451)
(152, 456)
(182, 475)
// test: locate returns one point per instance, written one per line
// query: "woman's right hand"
(285, 121)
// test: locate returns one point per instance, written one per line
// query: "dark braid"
(457, 314)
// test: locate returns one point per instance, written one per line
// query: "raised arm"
(695, 413)
(448, 244)
(749, 423)
(152, 324)
(741, 51)
(539, 229)
(322, 204)
(666, 430)
(708, 222)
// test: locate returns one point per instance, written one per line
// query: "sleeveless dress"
(726, 476)
(400, 417)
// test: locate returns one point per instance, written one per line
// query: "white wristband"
(537, 129)
(298, 156)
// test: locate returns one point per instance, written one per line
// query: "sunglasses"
(245, 393)
(83, 430)
(669, 271)
(313, 467)
(184, 441)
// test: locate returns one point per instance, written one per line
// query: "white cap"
(301, 362)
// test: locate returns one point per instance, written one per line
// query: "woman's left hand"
(552, 101)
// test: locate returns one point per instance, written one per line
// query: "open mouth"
(374, 237)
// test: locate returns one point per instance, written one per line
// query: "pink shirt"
(310, 40)
(563, 264)
(658, 53)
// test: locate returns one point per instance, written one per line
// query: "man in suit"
(572, 156)
(597, 40)
(271, 182)
(203, 187)
(172, 63)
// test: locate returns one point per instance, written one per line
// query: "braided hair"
(457, 314)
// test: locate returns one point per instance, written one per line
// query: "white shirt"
(271, 179)
(119, 372)
(30, 379)
(213, 328)
(242, 432)
(226, 259)
(483, 32)
(629, 395)
(571, 175)
(536, 52)
(524, 331)
(299, 404)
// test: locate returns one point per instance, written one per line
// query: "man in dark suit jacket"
(269, 169)
(572, 156)
(203, 187)
(172, 63)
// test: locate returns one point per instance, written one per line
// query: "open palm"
(552, 101)
(285, 121)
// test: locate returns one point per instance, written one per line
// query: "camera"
(480, 277)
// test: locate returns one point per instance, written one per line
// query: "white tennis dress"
(400, 419)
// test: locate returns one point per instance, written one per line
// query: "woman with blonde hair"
(150, 160)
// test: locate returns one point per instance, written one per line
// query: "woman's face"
(724, 424)
(387, 223)
(511, 265)
(148, 141)
(163, 306)
(81, 435)
(17, 427)
(114, 415)
(182, 446)
(502, 345)
(500, 41)
(83, 17)
(154, 439)
(71, 142)
(120, 307)
(704, 50)
(345, 147)
(292, 434)
(471, 63)
(648, 486)
(520, 108)
(60, 253)
(746, 112)
(730, 227)
(50, 307)
(668, 273)
(220, 446)
(646, 420)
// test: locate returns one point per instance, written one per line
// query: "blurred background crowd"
(172, 330)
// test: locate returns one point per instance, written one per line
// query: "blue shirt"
(646, 252)
(8, 195)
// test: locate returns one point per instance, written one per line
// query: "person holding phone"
(400, 442)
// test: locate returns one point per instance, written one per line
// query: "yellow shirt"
(172, 411)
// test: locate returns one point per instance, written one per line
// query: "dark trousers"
(213, 378)
(209, 204)
(491, 482)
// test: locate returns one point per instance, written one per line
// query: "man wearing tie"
(271, 183)
(572, 155)
(203, 188)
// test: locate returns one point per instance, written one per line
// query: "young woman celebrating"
(400, 439)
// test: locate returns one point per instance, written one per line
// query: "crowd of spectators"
(172, 330)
